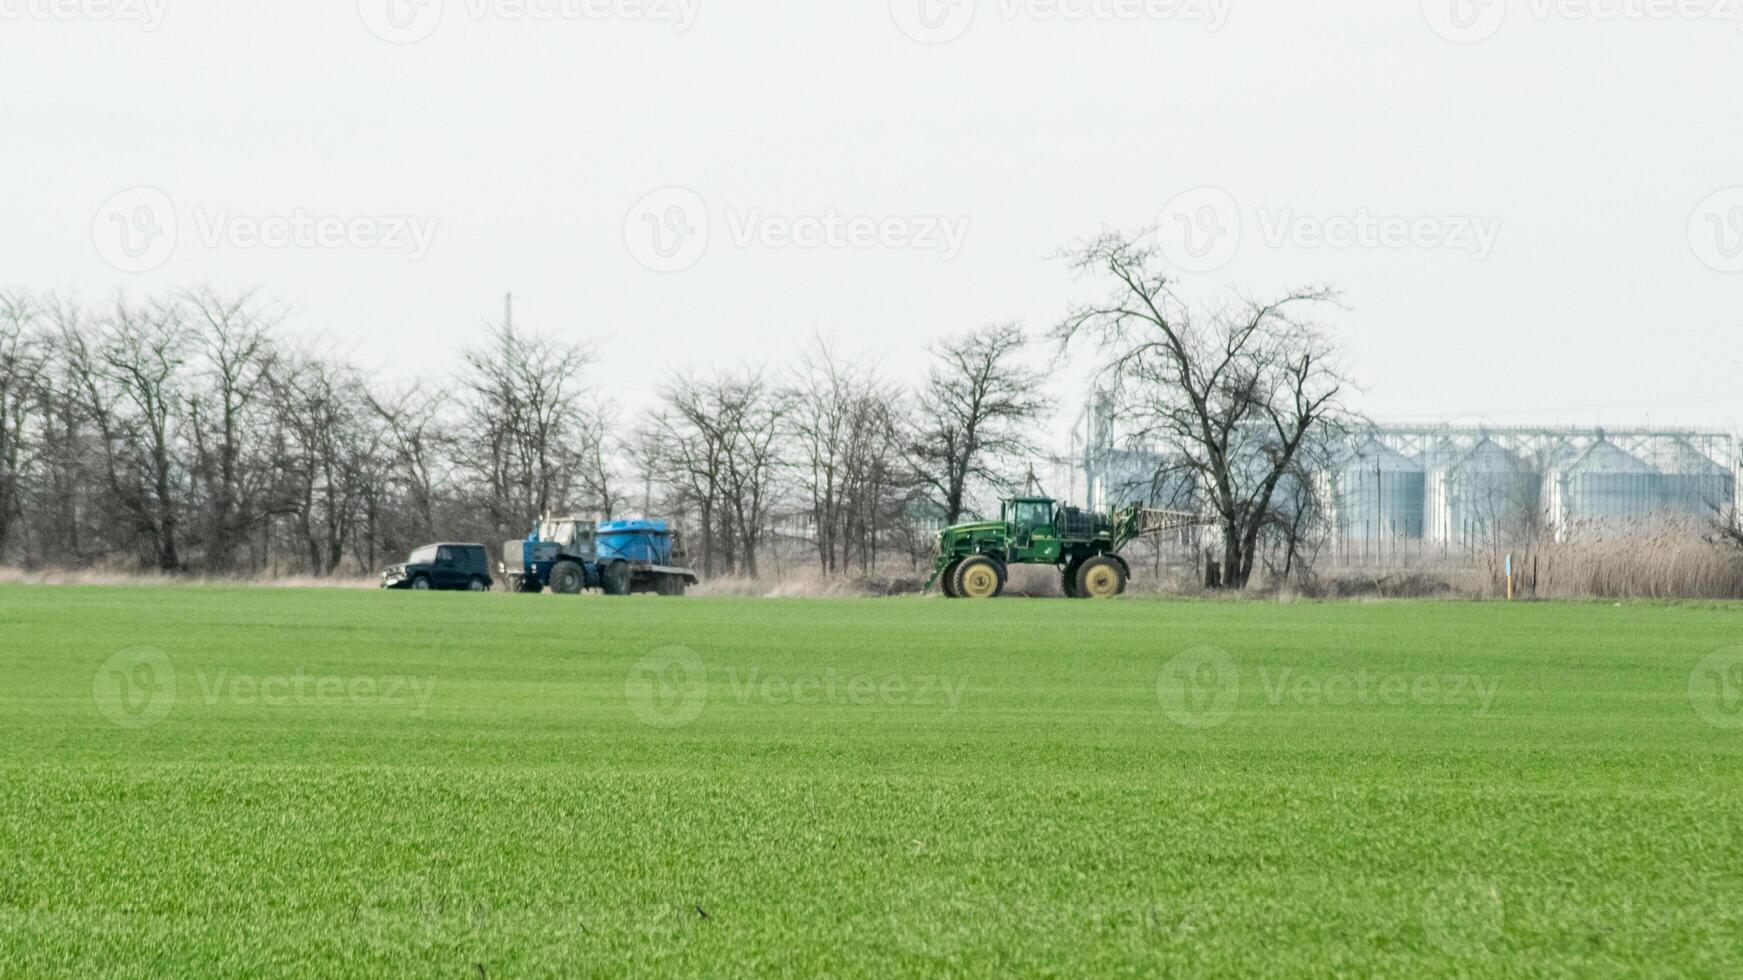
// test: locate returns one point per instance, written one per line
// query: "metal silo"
(1605, 485)
(1490, 493)
(1692, 484)
(1380, 494)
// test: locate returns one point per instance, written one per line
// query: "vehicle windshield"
(1034, 513)
(423, 556)
(561, 532)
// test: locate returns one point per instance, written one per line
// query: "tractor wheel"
(617, 579)
(1101, 577)
(567, 578)
(947, 580)
(421, 583)
(980, 578)
(669, 585)
(1068, 582)
(477, 585)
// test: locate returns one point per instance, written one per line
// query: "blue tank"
(635, 541)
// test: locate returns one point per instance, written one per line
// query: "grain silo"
(1380, 494)
(1604, 485)
(1490, 494)
(1692, 484)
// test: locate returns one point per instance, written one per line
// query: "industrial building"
(1402, 489)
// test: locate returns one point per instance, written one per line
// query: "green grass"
(516, 786)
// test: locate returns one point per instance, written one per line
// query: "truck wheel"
(567, 578)
(1068, 584)
(947, 580)
(421, 583)
(669, 585)
(979, 578)
(477, 585)
(1101, 577)
(617, 578)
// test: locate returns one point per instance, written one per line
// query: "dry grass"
(1641, 562)
(79, 576)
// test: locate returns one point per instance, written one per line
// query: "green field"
(260, 782)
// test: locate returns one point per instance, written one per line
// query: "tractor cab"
(573, 536)
(1034, 535)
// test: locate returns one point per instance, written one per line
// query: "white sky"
(1595, 142)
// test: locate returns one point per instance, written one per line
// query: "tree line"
(193, 431)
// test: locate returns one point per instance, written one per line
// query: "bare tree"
(323, 409)
(976, 412)
(716, 444)
(233, 335)
(525, 424)
(1231, 396)
(21, 361)
(130, 371)
(847, 434)
(418, 442)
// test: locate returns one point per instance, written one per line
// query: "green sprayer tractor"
(1085, 547)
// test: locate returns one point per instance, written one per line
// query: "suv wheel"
(421, 583)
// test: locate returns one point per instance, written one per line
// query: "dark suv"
(442, 566)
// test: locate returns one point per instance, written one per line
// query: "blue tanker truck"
(569, 555)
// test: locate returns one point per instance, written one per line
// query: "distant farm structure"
(1383, 492)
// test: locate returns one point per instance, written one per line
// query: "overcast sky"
(1535, 209)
